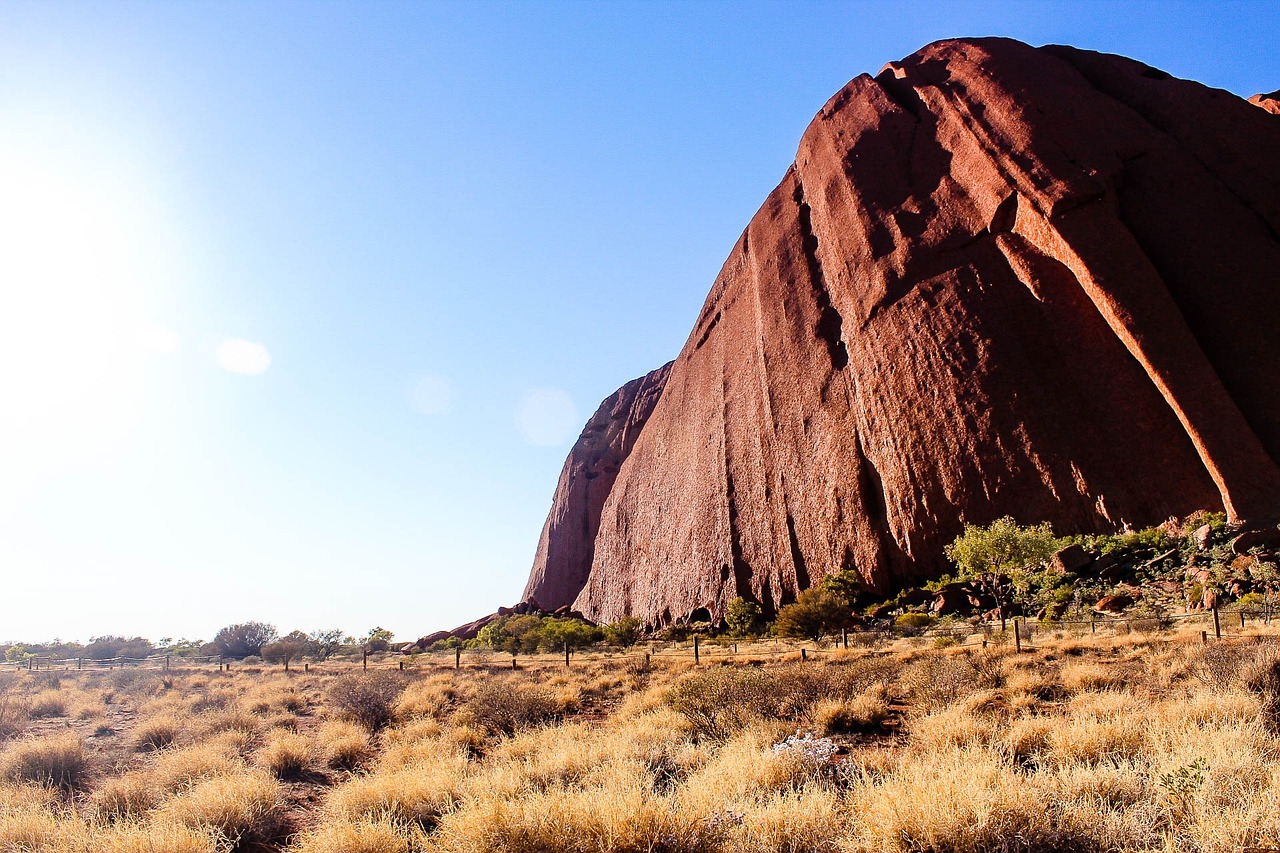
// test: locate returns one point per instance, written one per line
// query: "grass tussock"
(59, 762)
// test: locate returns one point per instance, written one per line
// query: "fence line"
(714, 649)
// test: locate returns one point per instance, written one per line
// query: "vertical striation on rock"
(997, 280)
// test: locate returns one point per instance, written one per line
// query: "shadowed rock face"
(996, 280)
(567, 546)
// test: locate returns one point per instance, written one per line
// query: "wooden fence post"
(1242, 618)
(1217, 626)
(844, 637)
(513, 660)
(364, 658)
(457, 657)
(79, 663)
(166, 663)
(804, 654)
(1017, 636)
(1204, 637)
(1093, 626)
(566, 653)
(696, 658)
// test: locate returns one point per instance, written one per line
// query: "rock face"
(997, 280)
(567, 546)
(1270, 103)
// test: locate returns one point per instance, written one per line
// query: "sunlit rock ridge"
(997, 280)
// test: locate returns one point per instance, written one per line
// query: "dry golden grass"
(285, 754)
(157, 732)
(1141, 742)
(244, 806)
(58, 761)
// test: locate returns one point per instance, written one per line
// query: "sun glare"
(74, 330)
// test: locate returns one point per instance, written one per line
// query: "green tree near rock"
(744, 618)
(1004, 548)
(817, 611)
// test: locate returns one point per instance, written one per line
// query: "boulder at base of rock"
(951, 600)
(1201, 535)
(1267, 539)
(1072, 558)
(1113, 603)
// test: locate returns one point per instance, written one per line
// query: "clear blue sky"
(302, 304)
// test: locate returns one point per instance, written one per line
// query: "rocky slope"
(997, 279)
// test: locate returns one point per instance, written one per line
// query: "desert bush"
(124, 797)
(47, 703)
(374, 835)
(58, 761)
(153, 837)
(417, 794)
(1263, 680)
(720, 702)
(865, 713)
(178, 769)
(502, 707)
(816, 611)
(936, 681)
(426, 698)
(13, 707)
(368, 698)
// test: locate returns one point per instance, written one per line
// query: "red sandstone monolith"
(997, 280)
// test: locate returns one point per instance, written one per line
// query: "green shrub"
(816, 612)
(1003, 547)
(911, 624)
(744, 618)
(624, 632)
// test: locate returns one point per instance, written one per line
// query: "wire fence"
(1018, 632)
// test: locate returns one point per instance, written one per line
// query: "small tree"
(244, 639)
(847, 585)
(816, 612)
(624, 632)
(327, 642)
(378, 640)
(290, 647)
(1001, 548)
(744, 618)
